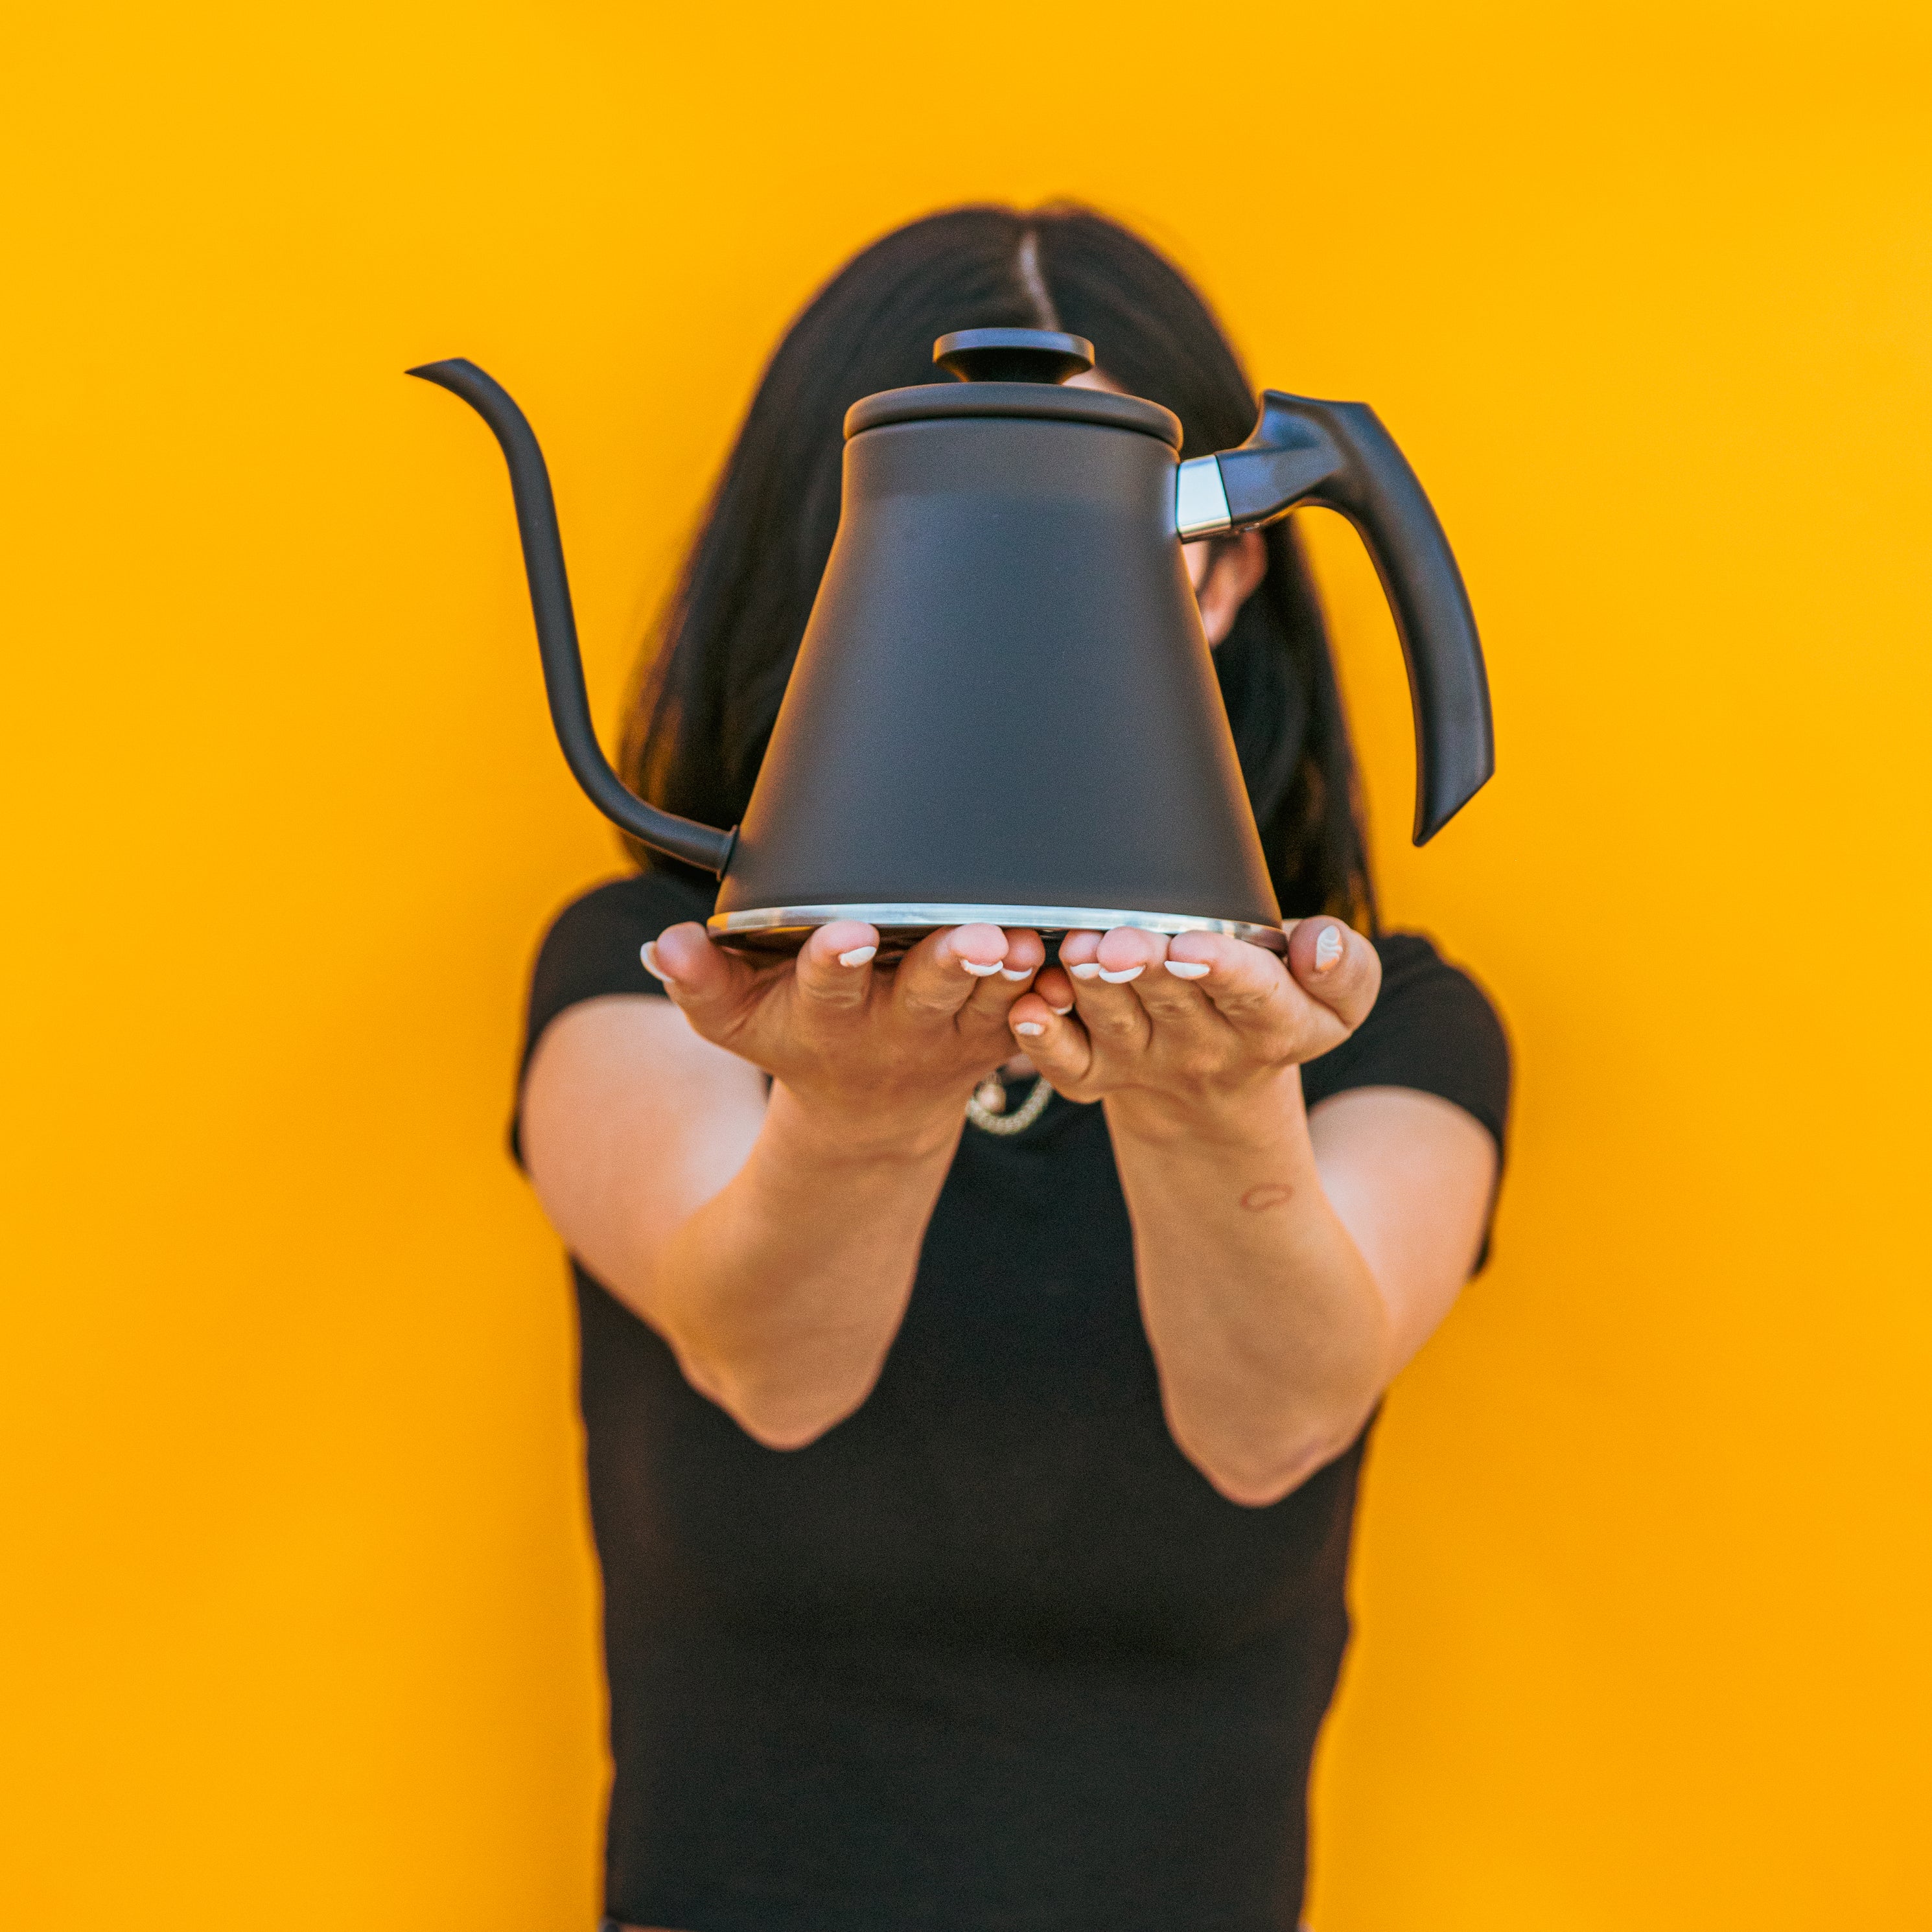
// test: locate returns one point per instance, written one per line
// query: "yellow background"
(298, 1612)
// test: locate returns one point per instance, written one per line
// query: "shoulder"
(591, 949)
(642, 903)
(1417, 979)
(1433, 1029)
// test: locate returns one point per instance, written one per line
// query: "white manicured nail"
(857, 956)
(1091, 971)
(1028, 1029)
(1061, 1012)
(978, 971)
(648, 953)
(1120, 979)
(1327, 948)
(1008, 973)
(1185, 969)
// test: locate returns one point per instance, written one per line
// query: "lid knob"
(1013, 355)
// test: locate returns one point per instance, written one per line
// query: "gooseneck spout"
(557, 627)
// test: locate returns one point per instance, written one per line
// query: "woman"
(973, 1504)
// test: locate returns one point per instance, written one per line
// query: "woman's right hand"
(897, 1048)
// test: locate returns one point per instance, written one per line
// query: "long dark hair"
(724, 645)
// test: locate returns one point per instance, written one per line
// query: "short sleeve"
(1433, 1029)
(591, 949)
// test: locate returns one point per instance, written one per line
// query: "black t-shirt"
(991, 1655)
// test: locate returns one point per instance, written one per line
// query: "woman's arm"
(772, 1245)
(1286, 1268)
(1412, 1177)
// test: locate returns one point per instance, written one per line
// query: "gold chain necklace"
(986, 1109)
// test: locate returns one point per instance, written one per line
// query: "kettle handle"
(557, 627)
(1339, 455)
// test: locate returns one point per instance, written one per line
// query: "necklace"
(986, 1109)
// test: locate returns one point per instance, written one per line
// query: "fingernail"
(1185, 969)
(1008, 973)
(648, 953)
(1028, 1029)
(1090, 971)
(857, 956)
(1059, 1012)
(1120, 979)
(978, 971)
(1327, 948)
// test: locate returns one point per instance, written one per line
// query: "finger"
(708, 985)
(1335, 965)
(834, 968)
(995, 992)
(1026, 953)
(937, 978)
(1077, 949)
(1169, 997)
(1247, 985)
(1103, 987)
(1057, 1044)
(1053, 986)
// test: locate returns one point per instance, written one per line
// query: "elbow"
(775, 1412)
(788, 1431)
(1255, 1474)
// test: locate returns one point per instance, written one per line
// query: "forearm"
(1272, 1341)
(782, 1294)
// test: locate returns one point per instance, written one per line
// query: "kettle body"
(1004, 707)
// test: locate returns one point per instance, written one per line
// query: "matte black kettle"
(1004, 707)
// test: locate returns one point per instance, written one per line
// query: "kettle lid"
(1013, 355)
(1013, 372)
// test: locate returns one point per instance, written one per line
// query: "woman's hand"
(895, 1048)
(1182, 1029)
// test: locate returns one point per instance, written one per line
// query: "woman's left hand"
(1192, 1024)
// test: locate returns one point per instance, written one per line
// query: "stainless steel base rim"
(771, 922)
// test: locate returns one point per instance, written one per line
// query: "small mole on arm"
(1270, 1194)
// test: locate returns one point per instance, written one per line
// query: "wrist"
(1221, 1119)
(871, 1132)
